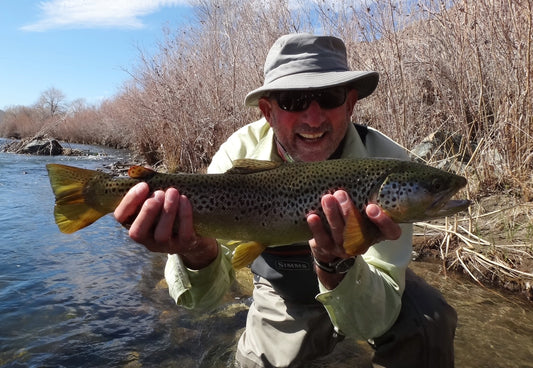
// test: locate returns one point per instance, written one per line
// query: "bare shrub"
(458, 66)
(188, 98)
(454, 68)
(484, 68)
(19, 121)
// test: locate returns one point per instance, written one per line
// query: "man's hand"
(151, 222)
(327, 245)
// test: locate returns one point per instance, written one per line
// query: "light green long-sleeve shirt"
(367, 301)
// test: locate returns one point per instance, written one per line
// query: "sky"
(83, 48)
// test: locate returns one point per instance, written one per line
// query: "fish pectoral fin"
(248, 166)
(356, 240)
(140, 172)
(245, 253)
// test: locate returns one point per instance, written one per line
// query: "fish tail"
(71, 210)
(245, 253)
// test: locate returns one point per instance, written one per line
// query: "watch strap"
(338, 266)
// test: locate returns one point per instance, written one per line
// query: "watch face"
(344, 265)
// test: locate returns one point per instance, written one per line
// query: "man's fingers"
(142, 228)
(164, 229)
(389, 229)
(186, 231)
(328, 240)
(332, 207)
(320, 235)
(130, 204)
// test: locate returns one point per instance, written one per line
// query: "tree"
(51, 102)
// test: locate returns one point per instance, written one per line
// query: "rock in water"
(50, 147)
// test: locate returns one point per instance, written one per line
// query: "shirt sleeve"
(199, 289)
(204, 289)
(367, 302)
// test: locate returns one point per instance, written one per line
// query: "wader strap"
(362, 130)
(293, 250)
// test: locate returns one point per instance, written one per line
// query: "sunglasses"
(299, 100)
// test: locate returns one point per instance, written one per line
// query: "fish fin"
(233, 243)
(356, 240)
(73, 217)
(68, 183)
(140, 172)
(245, 254)
(248, 166)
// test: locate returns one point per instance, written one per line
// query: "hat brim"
(365, 82)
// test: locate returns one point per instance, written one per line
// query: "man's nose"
(314, 114)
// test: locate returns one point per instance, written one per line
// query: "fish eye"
(436, 184)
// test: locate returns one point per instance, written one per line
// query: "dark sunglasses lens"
(292, 100)
(331, 98)
(300, 100)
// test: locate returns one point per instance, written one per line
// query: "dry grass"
(493, 245)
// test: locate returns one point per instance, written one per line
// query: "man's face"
(312, 134)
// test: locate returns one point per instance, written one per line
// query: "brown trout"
(266, 203)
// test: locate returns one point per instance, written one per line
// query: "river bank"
(493, 245)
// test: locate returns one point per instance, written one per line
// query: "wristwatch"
(340, 265)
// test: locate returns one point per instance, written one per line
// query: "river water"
(95, 298)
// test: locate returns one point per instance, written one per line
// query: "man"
(306, 296)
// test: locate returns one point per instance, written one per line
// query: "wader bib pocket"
(290, 271)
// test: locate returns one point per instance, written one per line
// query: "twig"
(468, 238)
(499, 265)
(466, 268)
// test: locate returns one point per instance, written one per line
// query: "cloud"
(96, 13)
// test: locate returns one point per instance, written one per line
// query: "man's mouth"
(311, 136)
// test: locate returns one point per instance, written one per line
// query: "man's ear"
(266, 107)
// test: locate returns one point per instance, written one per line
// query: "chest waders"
(290, 268)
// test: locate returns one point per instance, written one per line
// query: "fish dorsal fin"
(140, 172)
(248, 166)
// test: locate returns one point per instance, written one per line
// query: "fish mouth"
(444, 206)
(453, 206)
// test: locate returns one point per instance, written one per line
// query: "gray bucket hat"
(305, 61)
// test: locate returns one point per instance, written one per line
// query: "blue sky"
(80, 47)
